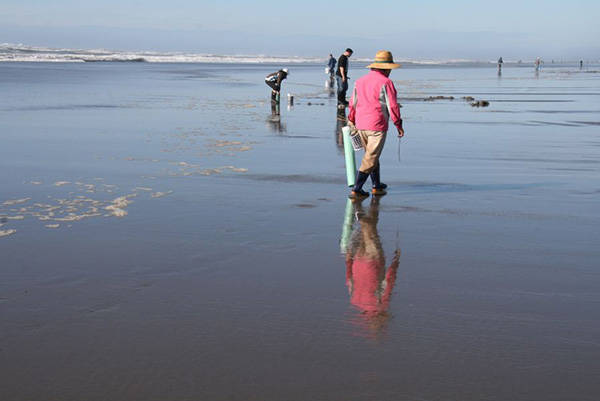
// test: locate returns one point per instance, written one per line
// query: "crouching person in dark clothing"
(274, 81)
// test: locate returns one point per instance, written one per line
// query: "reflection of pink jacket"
(370, 291)
(373, 102)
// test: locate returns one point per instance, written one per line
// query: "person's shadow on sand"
(370, 283)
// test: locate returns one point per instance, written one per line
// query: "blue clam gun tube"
(349, 157)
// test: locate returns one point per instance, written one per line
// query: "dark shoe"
(378, 191)
(358, 194)
(380, 186)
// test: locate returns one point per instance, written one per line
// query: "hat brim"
(384, 66)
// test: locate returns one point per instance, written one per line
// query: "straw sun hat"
(384, 61)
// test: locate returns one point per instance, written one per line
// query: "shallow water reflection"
(370, 283)
(341, 122)
(274, 119)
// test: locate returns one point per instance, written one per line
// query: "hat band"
(384, 62)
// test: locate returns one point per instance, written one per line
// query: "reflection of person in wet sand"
(369, 283)
(341, 122)
(274, 120)
(275, 109)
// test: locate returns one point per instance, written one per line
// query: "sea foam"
(24, 53)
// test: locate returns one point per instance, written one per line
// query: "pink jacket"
(373, 101)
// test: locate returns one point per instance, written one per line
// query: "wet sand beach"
(163, 236)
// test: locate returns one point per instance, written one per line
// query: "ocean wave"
(24, 53)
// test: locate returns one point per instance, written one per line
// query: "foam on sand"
(73, 206)
(118, 205)
(12, 202)
(6, 233)
(161, 194)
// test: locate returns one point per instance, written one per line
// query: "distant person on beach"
(500, 62)
(538, 63)
(581, 64)
(331, 65)
(342, 77)
(274, 80)
(372, 103)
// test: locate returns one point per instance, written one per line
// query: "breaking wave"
(24, 53)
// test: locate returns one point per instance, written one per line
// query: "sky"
(431, 29)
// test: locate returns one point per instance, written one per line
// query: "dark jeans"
(342, 88)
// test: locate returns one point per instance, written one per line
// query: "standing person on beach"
(274, 80)
(372, 103)
(500, 62)
(342, 77)
(331, 65)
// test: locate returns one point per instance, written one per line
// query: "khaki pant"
(373, 142)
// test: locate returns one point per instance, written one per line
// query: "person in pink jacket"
(372, 103)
